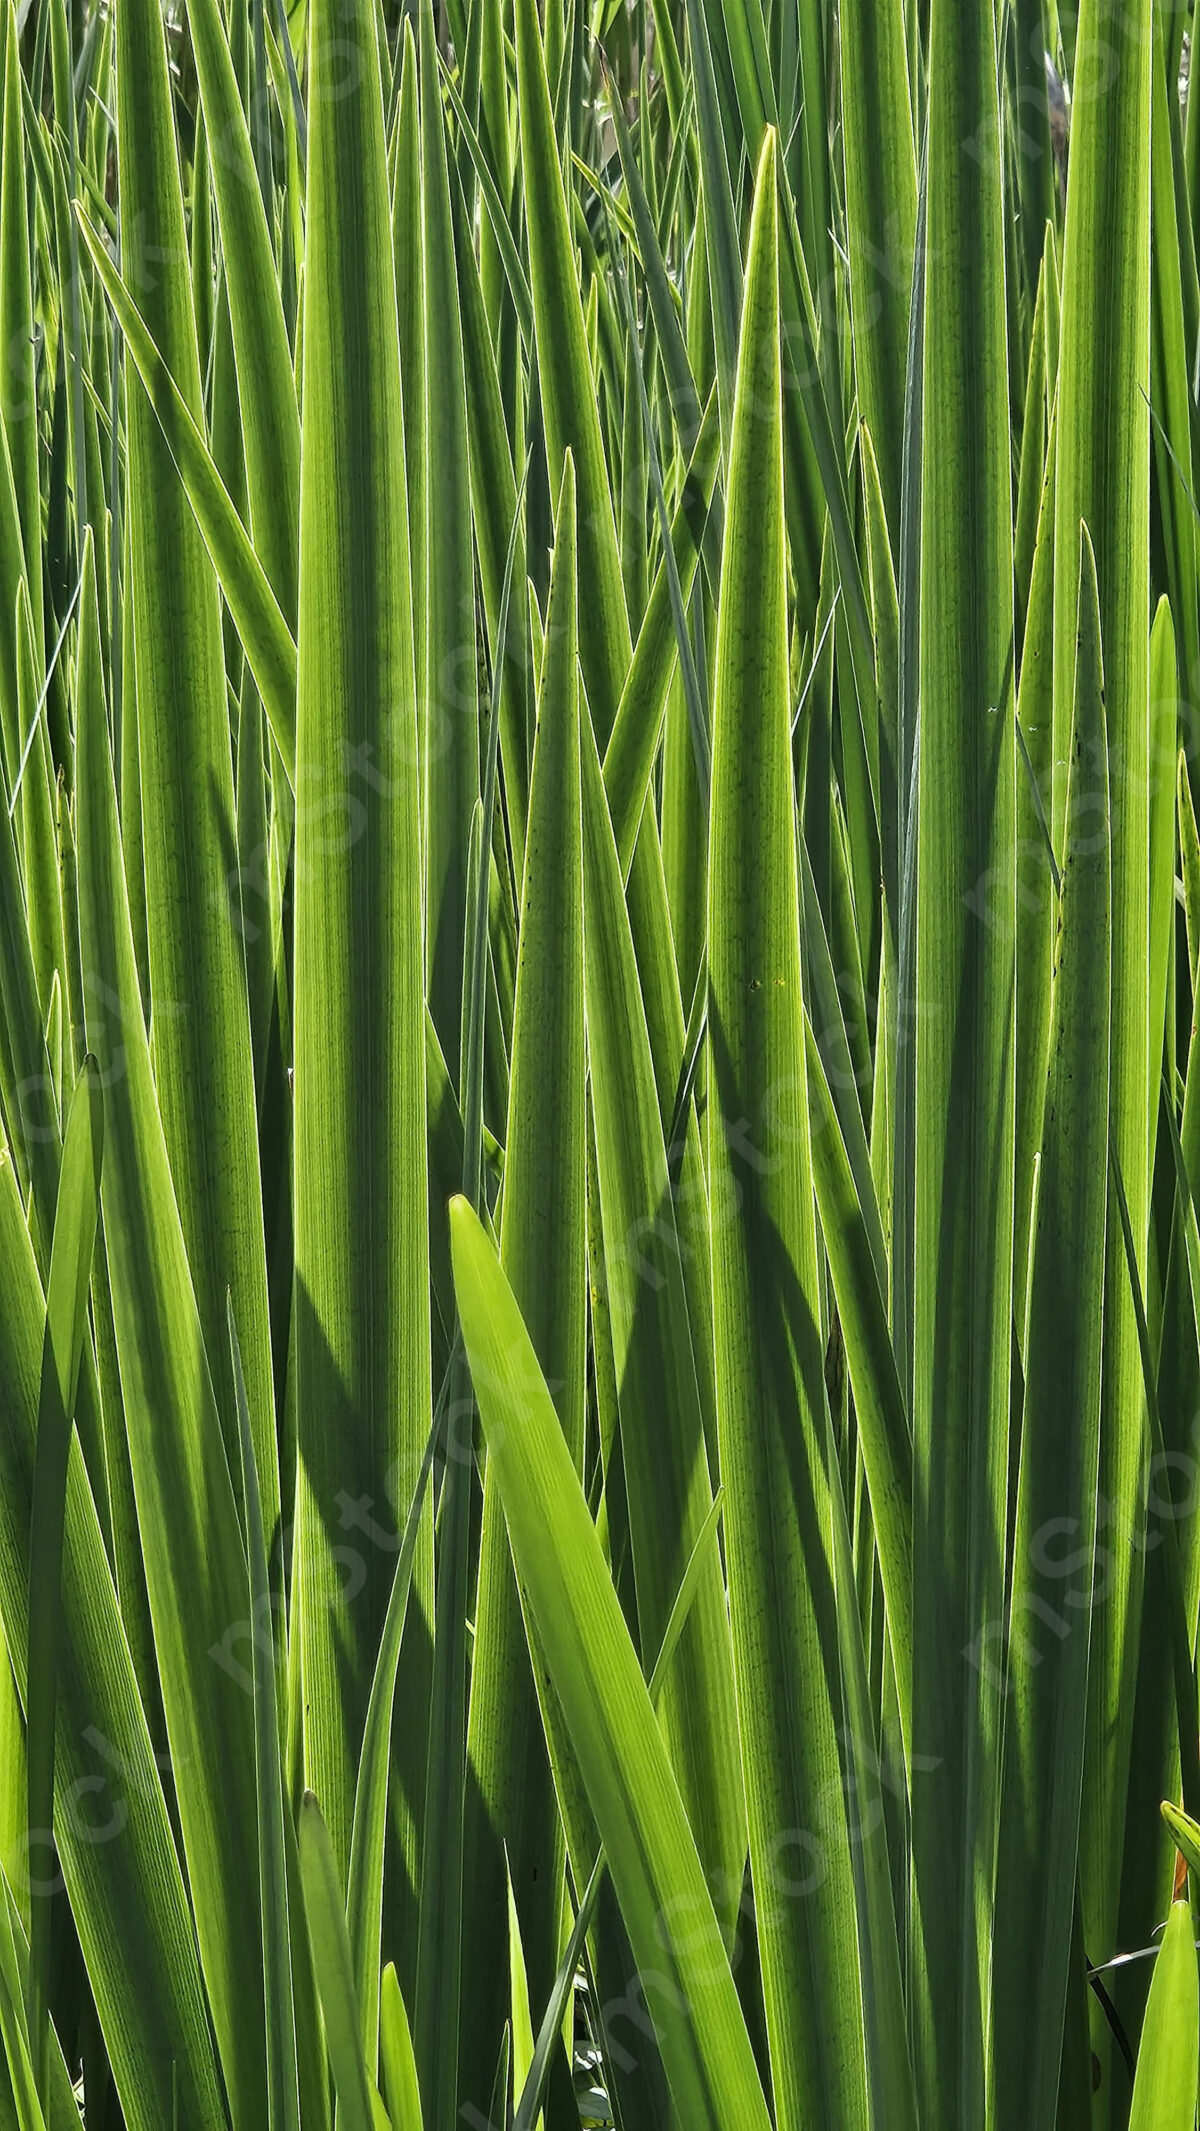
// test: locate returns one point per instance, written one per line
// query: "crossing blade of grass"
(203, 1061)
(965, 922)
(283, 2095)
(1164, 2093)
(364, 1895)
(567, 386)
(654, 1350)
(186, 1511)
(766, 1309)
(265, 635)
(637, 729)
(883, 1425)
(881, 215)
(270, 422)
(66, 1331)
(530, 2100)
(1036, 892)
(543, 1250)
(1103, 477)
(127, 1893)
(326, 1917)
(1047, 1653)
(685, 1973)
(494, 500)
(362, 1352)
(23, 2096)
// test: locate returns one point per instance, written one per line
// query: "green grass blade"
(364, 1894)
(881, 216)
(331, 1960)
(1103, 477)
(663, 1450)
(270, 424)
(1164, 2094)
(362, 1330)
(258, 618)
(451, 709)
(567, 384)
(768, 1349)
(66, 1330)
(399, 2061)
(203, 1061)
(187, 1518)
(127, 1893)
(542, 1226)
(632, 1790)
(1047, 1654)
(965, 923)
(283, 2096)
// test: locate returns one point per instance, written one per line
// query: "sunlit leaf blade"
(399, 2064)
(965, 921)
(270, 427)
(331, 1961)
(186, 1511)
(1047, 1650)
(881, 214)
(265, 635)
(567, 387)
(1103, 477)
(542, 1243)
(203, 1064)
(66, 1331)
(1164, 2094)
(652, 1858)
(283, 2097)
(663, 1449)
(362, 1324)
(451, 718)
(770, 1390)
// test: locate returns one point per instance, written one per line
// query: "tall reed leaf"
(965, 921)
(362, 1312)
(770, 1390)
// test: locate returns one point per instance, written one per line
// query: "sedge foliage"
(599, 1094)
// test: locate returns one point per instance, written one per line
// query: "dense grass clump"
(599, 1088)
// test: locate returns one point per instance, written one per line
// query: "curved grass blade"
(552, 2019)
(543, 1250)
(191, 1545)
(1164, 2092)
(257, 616)
(606, 1705)
(127, 1894)
(270, 422)
(203, 1057)
(659, 1398)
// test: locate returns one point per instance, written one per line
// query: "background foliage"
(599, 1116)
